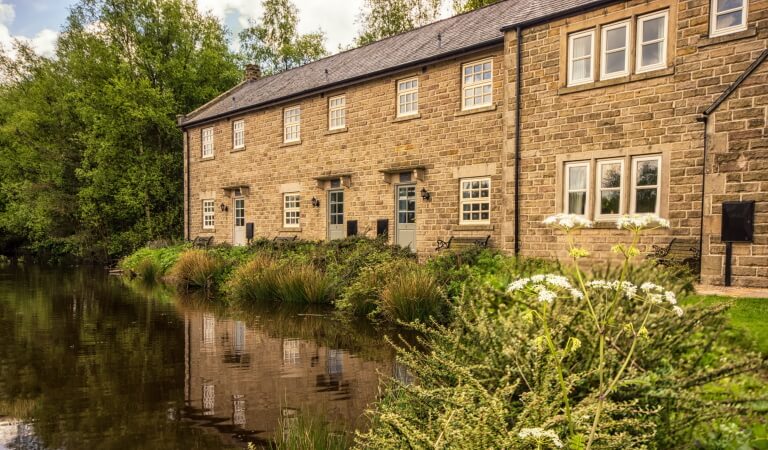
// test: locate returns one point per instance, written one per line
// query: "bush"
(256, 280)
(303, 283)
(148, 270)
(412, 293)
(195, 269)
(361, 297)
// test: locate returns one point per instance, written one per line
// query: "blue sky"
(40, 21)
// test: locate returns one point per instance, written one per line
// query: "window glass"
(652, 42)
(609, 187)
(645, 174)
(728, 16)
(580, 57)
(292, 124)
(292, 210)
(615, 41)
(207, 142)
(477, 84)
(208, 213)
(238, 134)
(577, 178)
(475, 200)
(337, 111)
(408, 97)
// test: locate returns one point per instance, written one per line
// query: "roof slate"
(463, 32)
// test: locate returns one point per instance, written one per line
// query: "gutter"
(518, 107)
(344, 83)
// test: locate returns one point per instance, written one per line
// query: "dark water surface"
(88, 361)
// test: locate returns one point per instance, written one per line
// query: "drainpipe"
(518, 101)
(189, 188)
(704, 118)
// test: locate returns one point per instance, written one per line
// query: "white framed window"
(646, 181)
(337, 112)
(728, 16)
(292, 124)
(475, 200)
(207, 136)
(581, 50)
(291, 210)
(652, 42)
(610, 189)
(576, 188)
(209, 209)
(477, 84)
(407, 97)
(614, 56)
(238, 134)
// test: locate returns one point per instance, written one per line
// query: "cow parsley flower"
(567, 222)
(540, 436)
(638, 222)
(545, 295)
(678, 311)
(546, 287)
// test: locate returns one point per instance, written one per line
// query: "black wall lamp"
(224, 208)
(315, 202)
(425, 195)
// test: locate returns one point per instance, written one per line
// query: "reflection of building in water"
(17, 434)
(252, 379)
(401, 373)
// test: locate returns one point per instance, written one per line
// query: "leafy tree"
(91, 155)
(274, 42)
(462, 6)
(383, 18)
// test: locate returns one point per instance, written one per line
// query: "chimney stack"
(252, 72)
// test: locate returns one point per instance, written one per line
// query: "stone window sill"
(290, 230)
(706, 41)
(477, 227)
(237, 150)
(468, 112)
(207, 158)
(208, 231)
(336, 131)
(289, 144)
(406, 118)
(616, 81)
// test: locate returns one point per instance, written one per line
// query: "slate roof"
(476, 29)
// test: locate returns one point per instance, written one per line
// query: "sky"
(39, 21)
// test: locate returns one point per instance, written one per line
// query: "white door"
(405, 216)
(336, 224)
(239, 232)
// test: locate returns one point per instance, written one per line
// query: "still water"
(88, 361)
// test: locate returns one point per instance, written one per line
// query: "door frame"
(397, 212)
(328, 211)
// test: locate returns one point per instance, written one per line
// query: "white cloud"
(43, 43)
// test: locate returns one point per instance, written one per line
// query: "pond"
(90, 361)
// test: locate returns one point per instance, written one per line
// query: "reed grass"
(303, 283)
(256, 280)
(195, 270)
(412, 294)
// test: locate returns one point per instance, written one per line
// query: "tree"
(274, 44)
(462, 6)
(91, 154)
(383, 18)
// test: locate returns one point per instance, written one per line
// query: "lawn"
(749, 315)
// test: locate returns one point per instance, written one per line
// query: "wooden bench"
(678, 252)
(462, 242)
(285, 239)
(202, 242)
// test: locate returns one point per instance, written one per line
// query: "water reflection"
(87, 362)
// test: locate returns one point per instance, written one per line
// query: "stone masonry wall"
(449, 143)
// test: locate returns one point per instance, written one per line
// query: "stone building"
(604, 104)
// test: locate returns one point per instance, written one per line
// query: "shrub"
(195, 269)
(412, 293)
(361, 297)
(148, 270)
(303, 283)
(255, 280)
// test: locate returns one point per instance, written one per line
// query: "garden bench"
(202, 242)
(678, 252)
(285, 239)
(461, 242)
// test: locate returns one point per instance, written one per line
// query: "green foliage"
(746, 315)
(274, 44)
(462, 6)
(411, 294)
(148, 270)
(90, 153)
(309, 432)
(361, 297)
(303, 283)
(256, 280)
(383, 18)
(196, 269)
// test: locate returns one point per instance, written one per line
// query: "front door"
(405, 230)
(239, 232)
(336, 225)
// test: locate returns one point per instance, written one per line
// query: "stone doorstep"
(734, 292)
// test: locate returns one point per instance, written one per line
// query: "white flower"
(577, 294)
(678, 310)
(655, 298)
(670, 297)
(567, 222)
(546, 296)
(540, 436)
(639, 222)
(559, 281)
(518, 284)
(650, 287)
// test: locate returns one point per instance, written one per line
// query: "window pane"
(615, 62)
(609, 202)
(616, 38)
(610, 176)
(582, 46)
(645, 201)
(653, 29)
(582, 69)
(651, 54)
(577, 202)
(577, 178)
(730, 19)
(647, 173)
(725, 5)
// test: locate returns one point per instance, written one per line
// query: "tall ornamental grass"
(256, 280)
(195, 270)
(412, 293)
(303, 283)
(567, 360)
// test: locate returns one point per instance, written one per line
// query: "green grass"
(747, 315)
